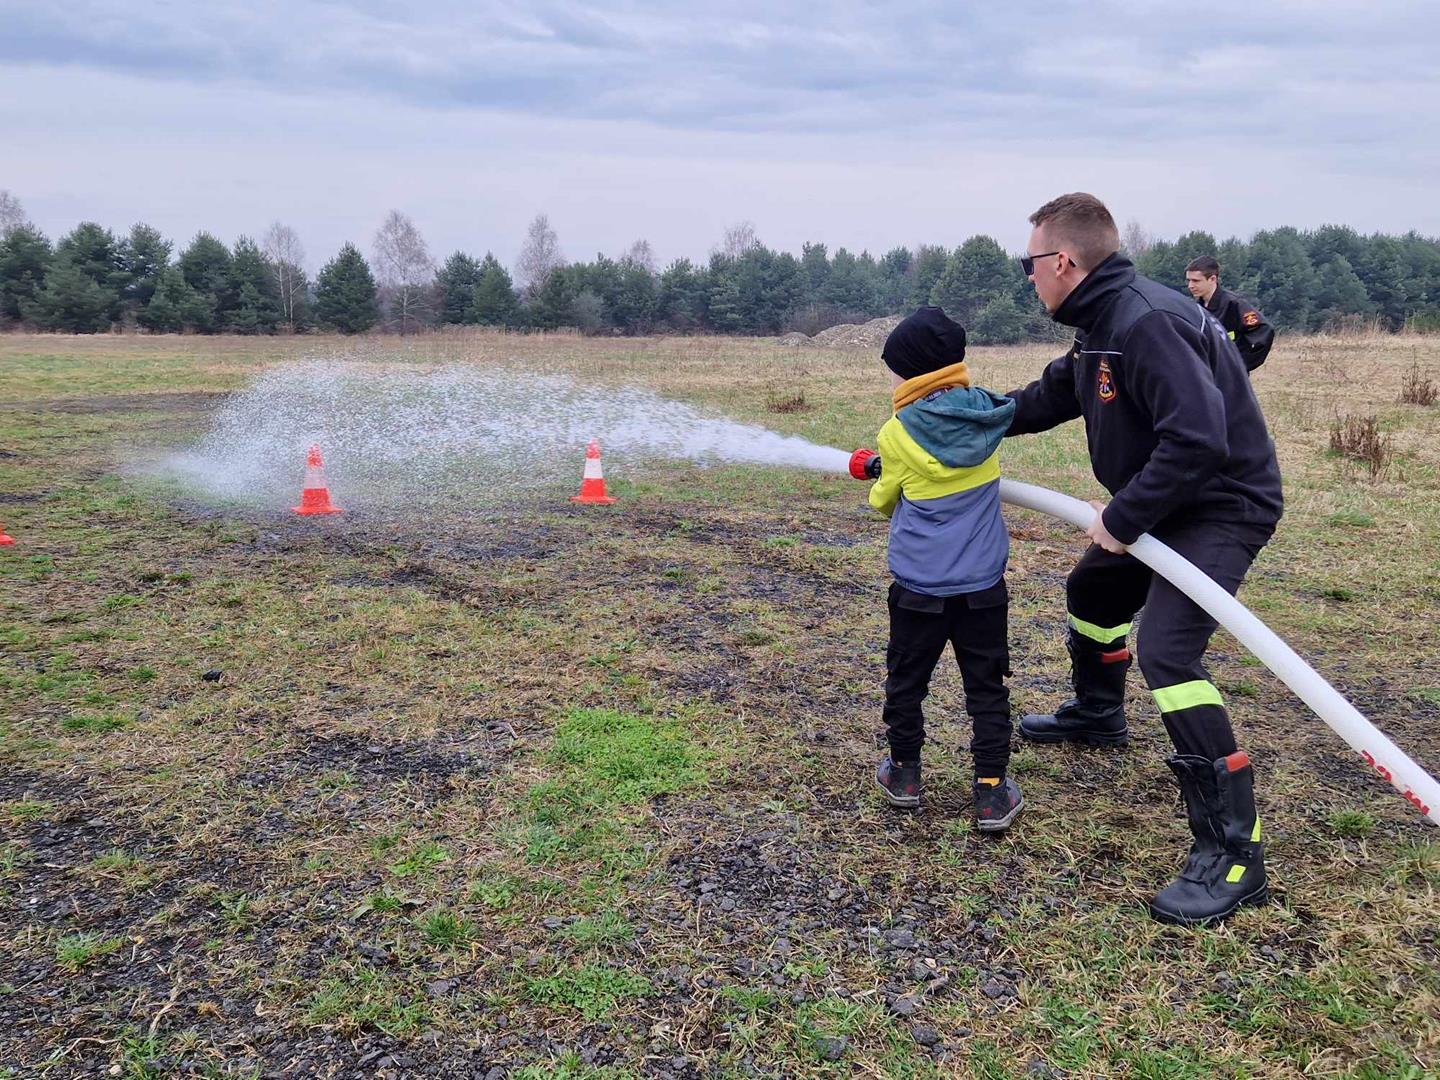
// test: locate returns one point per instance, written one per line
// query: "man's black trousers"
(976, 625)
(1105, 591)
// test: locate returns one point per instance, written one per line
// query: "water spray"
(1390, 762)
(405, 435)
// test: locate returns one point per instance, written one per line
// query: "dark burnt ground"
(544, 790)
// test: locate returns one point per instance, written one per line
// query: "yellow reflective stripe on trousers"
(1255, 832)
(1186, 695)
(1104, 635)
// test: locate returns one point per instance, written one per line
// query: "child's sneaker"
(900, 783)
(997, 802)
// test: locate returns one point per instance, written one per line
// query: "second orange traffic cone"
(592, 484)
(315, 499)
(5, 539)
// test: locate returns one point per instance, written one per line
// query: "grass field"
(532, 790)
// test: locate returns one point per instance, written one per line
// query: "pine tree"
(72, 301)
(925, 274)
(173, 306)
(345, 293)
(455, 288)
(144, 255)
(1339, 295)
(588, 313)
(206, 266)
(1382, 268)
(636, 296)
(25, 256)
(681, 302)
(493, 301)
(602, 277)
(767, 290)
(1284, 278)
(257, 296)
(894, 278)
(722, 304)
(977, 273)
(93, 251)
(851, 287)
(999, 322)
(815, 272)
(554, 302)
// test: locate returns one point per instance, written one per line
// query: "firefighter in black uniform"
(1244, 324)
(1176, 435)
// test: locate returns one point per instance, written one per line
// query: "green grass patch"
(423, 858)
(1353, 824)
(380, 903)
(22, 810)
(592, 990)
(75, 951)
(96, 723)
(445, 929)
(627, 757)
(608, 929)
(365, 999)
(570, 1067)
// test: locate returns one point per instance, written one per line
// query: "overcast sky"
(863, 125)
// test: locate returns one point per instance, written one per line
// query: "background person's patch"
(1105, 382)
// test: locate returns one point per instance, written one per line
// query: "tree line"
(91, 281)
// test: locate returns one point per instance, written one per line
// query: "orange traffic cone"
(315, 499)
(5, 539)
(592, 485)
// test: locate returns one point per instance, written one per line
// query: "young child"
(939, 483)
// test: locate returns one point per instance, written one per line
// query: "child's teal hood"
(960, 427)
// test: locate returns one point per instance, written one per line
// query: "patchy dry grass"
(561, 793)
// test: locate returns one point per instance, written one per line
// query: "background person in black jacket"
(1177, 437)
(1242, 321)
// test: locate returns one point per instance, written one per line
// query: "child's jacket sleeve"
(885, 492)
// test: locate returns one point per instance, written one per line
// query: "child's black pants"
(976, 625)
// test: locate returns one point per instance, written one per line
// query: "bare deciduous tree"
(282, 247)
(12, 214)
(539, 257)
(1136, 241)
(738, 239)
(405, 270)
(641, 255)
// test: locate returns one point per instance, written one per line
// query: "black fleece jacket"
(1244, 324)
(1174, 429)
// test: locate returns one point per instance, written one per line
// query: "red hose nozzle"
(864, 464)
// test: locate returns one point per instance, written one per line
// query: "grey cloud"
(1102, 69)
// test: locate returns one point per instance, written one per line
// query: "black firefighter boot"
(1226, 865)
(1096, 714)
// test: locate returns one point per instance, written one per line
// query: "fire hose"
(1391, 763)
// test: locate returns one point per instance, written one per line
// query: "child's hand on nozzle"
(865, 464)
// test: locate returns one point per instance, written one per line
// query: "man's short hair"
(1205, 264)
(1081, 221)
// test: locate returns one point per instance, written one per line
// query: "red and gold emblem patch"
(1251, 318)
(1105, 382)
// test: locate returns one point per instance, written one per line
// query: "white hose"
(1387, 759)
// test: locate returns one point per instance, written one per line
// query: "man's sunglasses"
(1027, 262)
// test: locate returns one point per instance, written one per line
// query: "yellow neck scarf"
(912, 390)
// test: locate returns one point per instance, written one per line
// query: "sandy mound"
(870, 335)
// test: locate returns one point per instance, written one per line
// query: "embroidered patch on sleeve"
(1251, 318)
(1105, 382)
